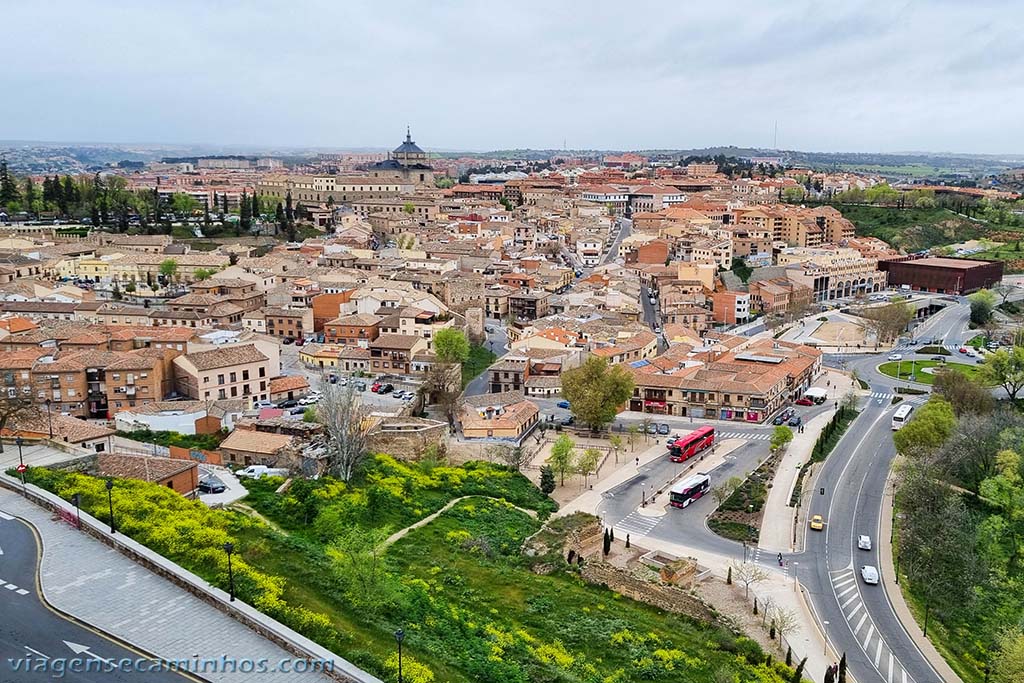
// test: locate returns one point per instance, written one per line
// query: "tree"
(1008, 662)
(749, 574)
(562, 456)
(887, 322)
(841, 676)
(596, 390)
(931, 425)
(607, 546)
(1005, 491)
(798, 673)
(255, 200)
(409, 208)
(547, 480)
(30, 194)
(982, 303)
(781, 436)
(358, 558)
(514, 457)
(451, 346)
(183, 204)
(1005, 368)
(615, 440)
(631, 433)
(8, 188)
(288, 212)
(245, 212)
(204, 274)
(964, 394)
(793, 195)
(586, 462)
(341, 412)
(722, 492)
(169, 268)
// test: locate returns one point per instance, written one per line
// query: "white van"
(259, 471)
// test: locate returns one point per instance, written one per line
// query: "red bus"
(690, 445)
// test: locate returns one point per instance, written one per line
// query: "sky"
(855, 76)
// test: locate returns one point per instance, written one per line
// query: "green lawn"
(905, 368)
(480, 358)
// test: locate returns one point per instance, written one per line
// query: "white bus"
(900, 417)
(688, 490)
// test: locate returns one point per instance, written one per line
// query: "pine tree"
(255, 206)
(8, 188)
(607, 543)
(547, 479)
(30, 193)
(288, 212)
(755, 605)
(245, 213)
(842, 670)
(771, 631)
(798, 675)
(728, 577)
(224, 197)
(789, 656)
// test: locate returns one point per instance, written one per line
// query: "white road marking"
(871, 632)
(21, 591)
(10, 587)
(851, 588)
(890, 666)
(878, 653)
(852, 598)
(5, 516)
(840, 584)
(37, 652)
(860, 623)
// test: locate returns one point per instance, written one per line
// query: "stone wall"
(475, 325)
(668, 598)
(407, 444)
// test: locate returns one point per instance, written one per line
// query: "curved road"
(857, 618)
(36, 641)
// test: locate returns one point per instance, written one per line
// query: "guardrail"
(271, 629)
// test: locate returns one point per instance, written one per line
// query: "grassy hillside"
(913, 229)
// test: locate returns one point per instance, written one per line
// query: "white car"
(864, 542)
(869, 574)
(896, 356)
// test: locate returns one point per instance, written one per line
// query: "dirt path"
(251, 512)
(430, 518)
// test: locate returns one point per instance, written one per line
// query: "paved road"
(31, 633)
(625, 230)
(497, 341)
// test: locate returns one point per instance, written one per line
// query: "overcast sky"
(836, 76)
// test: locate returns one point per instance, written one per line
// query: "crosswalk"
(847, 587)
(761, 436)
(636, 524)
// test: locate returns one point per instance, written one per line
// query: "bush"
(203, 442)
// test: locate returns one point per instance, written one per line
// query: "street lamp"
(399, 637)
(21, 463)
(229, 548)
(49, 418)
(110, 503)
(825, 623)
(76, 500)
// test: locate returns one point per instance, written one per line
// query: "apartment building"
(241, 371)
(356, 329)
(528, 305)
(588, 251)
(779, 296)
(296, 323)
(832, 273)
(393, 353)
(730, 308)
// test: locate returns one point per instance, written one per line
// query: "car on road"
(895, 356)
(211, 484)
(804, 402)
(567, 422)
(290, 403)
(869, 574)
(817, 522)
(387, 388)
(864, 542)
(663, 429)
(563, 404)
(652, 428)
(671, 440)
(795, 421)
(962, 349)
(300, 341)
(939, 359)
(263, 404)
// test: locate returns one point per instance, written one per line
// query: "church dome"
(408, 147)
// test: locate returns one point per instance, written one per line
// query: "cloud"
(860, 76)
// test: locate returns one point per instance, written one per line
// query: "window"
(245, 375)
(263, 372)
(206, 380)
(234, 377)
(220, 379)
(263, 386)
(234, 392)
(221, 394)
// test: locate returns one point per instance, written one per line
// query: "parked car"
(290, 403)
(795, 421)
(568, 421)
(869, 574)
(652, 428)
(864, 542)
(259, 471)
(895, 356)
(259, 405)
(298, 410)
(817, 522)
(333, 379)
(938, 359)
(779, 419)
(387, 388)
(361, 386)
(288, 340)
(563, 404)
(300, 341)
(804, 401)
(663, 429)
(671, 440)
(376, 387)
(211, 484)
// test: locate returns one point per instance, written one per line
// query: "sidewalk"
(779, 519)
(899, 604)
(97, 584)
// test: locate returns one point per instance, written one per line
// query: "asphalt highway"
(37, 643)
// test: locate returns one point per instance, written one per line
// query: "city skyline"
(861, 79)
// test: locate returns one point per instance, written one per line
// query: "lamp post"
(76, 500)
(229, 548)
(49, 419)
(825, 623)
(110, 503)
(21, 463)
(399, 637)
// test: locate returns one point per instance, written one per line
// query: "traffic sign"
(22, 467)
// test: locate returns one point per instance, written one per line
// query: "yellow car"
(817, 523)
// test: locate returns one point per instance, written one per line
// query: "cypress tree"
(30, 193)
(8, 188)
(789, 656)
(798, 675)
(728, 577)
(842, 670)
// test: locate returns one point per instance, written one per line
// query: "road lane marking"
(840, 584)
(890, 666)
(878, 652)
(851, 588)
(37, 652)
(860, 623)
(848, 601)
(904, 675)
(11, 587)
(4, 515)
(21, 591)
(871, 632)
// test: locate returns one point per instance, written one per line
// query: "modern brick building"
(943, 275)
